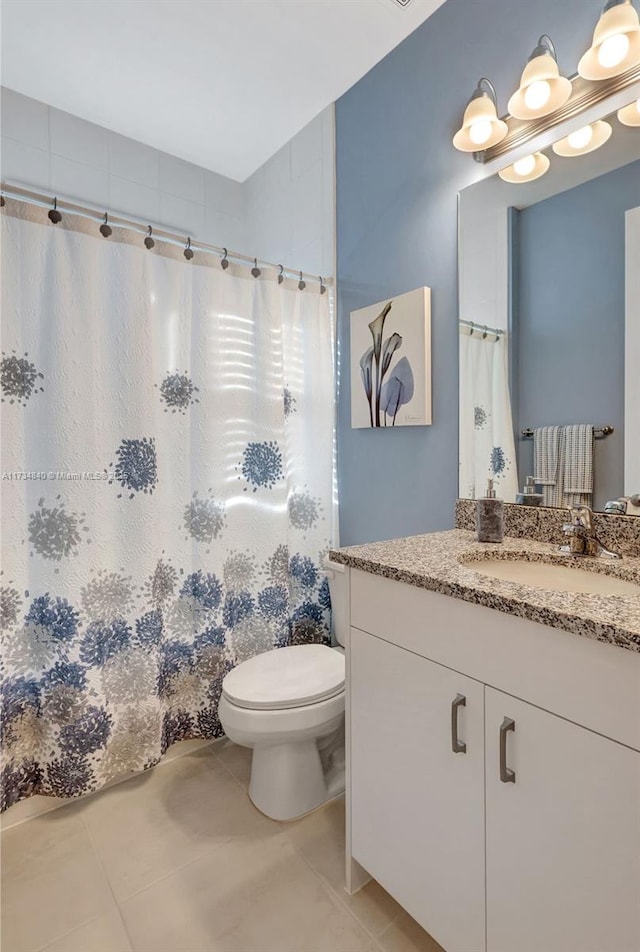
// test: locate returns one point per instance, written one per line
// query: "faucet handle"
(581, 516)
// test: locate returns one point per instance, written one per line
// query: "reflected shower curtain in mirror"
(167, 494)
(487, 448)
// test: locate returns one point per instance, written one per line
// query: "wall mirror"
(549, 296)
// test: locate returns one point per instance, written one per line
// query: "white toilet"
(288, 706)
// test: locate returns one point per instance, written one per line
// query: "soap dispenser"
(490, 517)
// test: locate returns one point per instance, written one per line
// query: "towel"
(546, 463)
(577, 464)
(563, 464)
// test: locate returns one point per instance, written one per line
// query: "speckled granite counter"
(544, 524)
(433, 561)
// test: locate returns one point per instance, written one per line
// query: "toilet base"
(298, 754)
(287, 780)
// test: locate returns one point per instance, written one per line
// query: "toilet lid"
(286, 677)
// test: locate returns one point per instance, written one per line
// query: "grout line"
(49, 147)
(175, 869)
(334, 894)
(172, 872)
(102, 866)
(219, 759)
(63, 935)
(327, 886)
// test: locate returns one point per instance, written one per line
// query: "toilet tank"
(338, 576)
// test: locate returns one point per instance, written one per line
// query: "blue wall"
(571, 317)
(397, 182)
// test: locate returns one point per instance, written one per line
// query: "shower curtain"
(167, 493)
(487, 447)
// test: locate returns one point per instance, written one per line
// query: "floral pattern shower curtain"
(487, 446)
(167, 493)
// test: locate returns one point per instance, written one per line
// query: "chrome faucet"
(581, 535)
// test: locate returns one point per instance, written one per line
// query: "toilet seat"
(286, 678)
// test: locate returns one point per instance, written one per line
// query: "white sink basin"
(554, 577)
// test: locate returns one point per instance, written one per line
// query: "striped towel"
(563, 464)
(546, 463)
(577, 464)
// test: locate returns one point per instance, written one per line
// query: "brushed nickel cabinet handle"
(506, 775)
(457, 746)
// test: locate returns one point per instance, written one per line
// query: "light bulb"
(613, 50)
(537, 94)
(480, 131)
(580, 138)
(525, 166)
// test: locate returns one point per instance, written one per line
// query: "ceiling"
(222, 83)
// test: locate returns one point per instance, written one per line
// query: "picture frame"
(391, 362)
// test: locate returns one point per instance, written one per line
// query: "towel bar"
(598, 431)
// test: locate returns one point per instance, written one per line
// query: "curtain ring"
(255, 271)
(105, 228)
(301, 283)
(472, 327)
(484, 335)
(224, 264)
(54, 215)
(148, 241)
(280, 274)
(2, 202)
(188, 250)
(323, 286)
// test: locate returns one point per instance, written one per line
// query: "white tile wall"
(224, 194)
(134, 161)
(484, 253)
(132, 198)
(76, 139)
(306, 148)
(181, 179)
(182, 214)
(25, 163)
(290, 201)
(85, 183)
(44, 148)
(25, 120)
(285, 212)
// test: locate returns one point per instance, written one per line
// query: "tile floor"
(179, 860)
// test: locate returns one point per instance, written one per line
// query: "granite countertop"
(433, 561)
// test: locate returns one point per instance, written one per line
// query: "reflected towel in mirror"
(563, 464)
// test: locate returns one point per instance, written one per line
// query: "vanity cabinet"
(417, 808)
(563, 840)
(528, 840)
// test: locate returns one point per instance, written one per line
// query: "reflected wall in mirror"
(548, 274)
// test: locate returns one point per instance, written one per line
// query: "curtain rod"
(482, 327)
(158, 233)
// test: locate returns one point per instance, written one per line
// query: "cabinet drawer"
(593, 684)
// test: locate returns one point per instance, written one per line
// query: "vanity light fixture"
(481, 127)
(527, 169)
(584, 140)
(542, 89)
(616, 42)
(630, 115)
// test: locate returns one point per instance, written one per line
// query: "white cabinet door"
(417, 808)
(563, 840)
